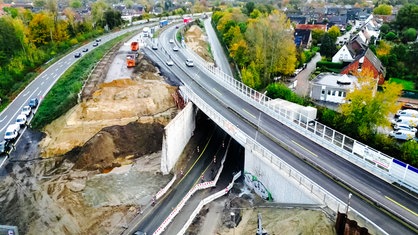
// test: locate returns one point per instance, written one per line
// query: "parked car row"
(405, 125)
(13, 130)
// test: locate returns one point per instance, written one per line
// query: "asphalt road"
(40, 86)
(379, 191)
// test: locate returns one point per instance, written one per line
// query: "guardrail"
(197, 187)
(380, 164)
(330, 201)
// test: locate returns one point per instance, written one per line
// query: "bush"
(73, 42)
(330, 65)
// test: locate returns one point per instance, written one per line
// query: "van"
(12, 132)
(403, 135)
(21, 119)
(410, 121)
(406, 127)
(407, 113)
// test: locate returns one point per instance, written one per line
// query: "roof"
(298, 19)
(302, 36)
(375, 61)
(312, 26)
(342, 81)
(341, 20)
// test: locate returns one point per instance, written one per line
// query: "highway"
(244, 116)
(40, 86)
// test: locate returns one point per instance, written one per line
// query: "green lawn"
(407, 85)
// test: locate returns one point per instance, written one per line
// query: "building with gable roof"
(331, 87)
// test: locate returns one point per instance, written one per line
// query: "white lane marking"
(42, 83)
(25, 94)
(3, 120)
(56, 69)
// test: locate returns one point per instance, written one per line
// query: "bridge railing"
(352, 150)
(330, 201)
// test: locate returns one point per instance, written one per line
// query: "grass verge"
(63, 95)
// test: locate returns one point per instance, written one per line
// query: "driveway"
(302, 86)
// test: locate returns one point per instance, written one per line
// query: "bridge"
(273, 136)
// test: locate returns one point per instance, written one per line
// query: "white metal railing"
(320, 193)
(354, 151)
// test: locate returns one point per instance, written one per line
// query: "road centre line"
(307, 150)
(402, 206)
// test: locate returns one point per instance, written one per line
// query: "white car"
(405, 127)
(21, 119)
(402, 135)
(26, 110)
(12, 132)
(189, 62)
(176, 48)
(169, 62)
(171, 41)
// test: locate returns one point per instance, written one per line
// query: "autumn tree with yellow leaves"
(366, 108)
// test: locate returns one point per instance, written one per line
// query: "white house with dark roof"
(331, 87)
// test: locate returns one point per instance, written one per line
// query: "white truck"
(146, 32)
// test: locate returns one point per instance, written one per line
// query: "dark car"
(5, 147)
(95, 44)
(33, 103)
(85, 49)
(77, 55)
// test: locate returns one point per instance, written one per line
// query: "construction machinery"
(130, 60)
(134, 46)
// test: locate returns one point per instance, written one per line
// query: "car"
(21, 119)
(33, 103)
(177, 26)
(176, 48)
(95, 44)
(189, 62)
(406, 113)
(77, 55)
(402, 126)
(169, 62)
(12, 132)
(85, 49)
(5, 147)
(98, 40)
(409, 106)
(26, 110)
(154, 47)
(171, 41)
(402, 135)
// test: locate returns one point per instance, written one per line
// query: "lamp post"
(258, 126)
(348, 204)
(233, 219)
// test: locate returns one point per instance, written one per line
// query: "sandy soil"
(100, 163)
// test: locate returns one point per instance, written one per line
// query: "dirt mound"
(197, 40)
(116, 145)
(116, 103)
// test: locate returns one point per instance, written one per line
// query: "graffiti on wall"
(252, 182)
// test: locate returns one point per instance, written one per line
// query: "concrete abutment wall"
(176, 136)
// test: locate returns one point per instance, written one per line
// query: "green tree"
(328, 47)
(391, 36)
(248, 8)
(334, 32)
(41, 29)
(251, 77)
(383, 9)
(317, 35)
(98, 11)
(9, 40)
(385, 28)
(369, 109)
(410, 34)
(407, 17)
(76, 4)
(39, 3)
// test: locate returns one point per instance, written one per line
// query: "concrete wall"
(176, 135)
(279, 186)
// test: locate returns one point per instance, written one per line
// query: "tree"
(98, 10)
(75, 4)
(9, 41)
(248, 8)
(383, 9)
(317, 35)
(328, 47)
(385, 28)
(368, 109)
(41, 29)
(407, 17)
(383, 49)
(334, 32)
(271, 46)
(391, 36)
(410, 34)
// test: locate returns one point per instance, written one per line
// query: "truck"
(187, 20)
(146, 32)
(130, 60)
(163, 23)
(134, 46)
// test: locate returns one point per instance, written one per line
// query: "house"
(351, 50)
(297, 19)
(368, 60)
(338, 20)
(303, 38)
(331, 87)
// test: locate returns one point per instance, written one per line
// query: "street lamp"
(233, 219)
(348, 204)
(258, 126)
